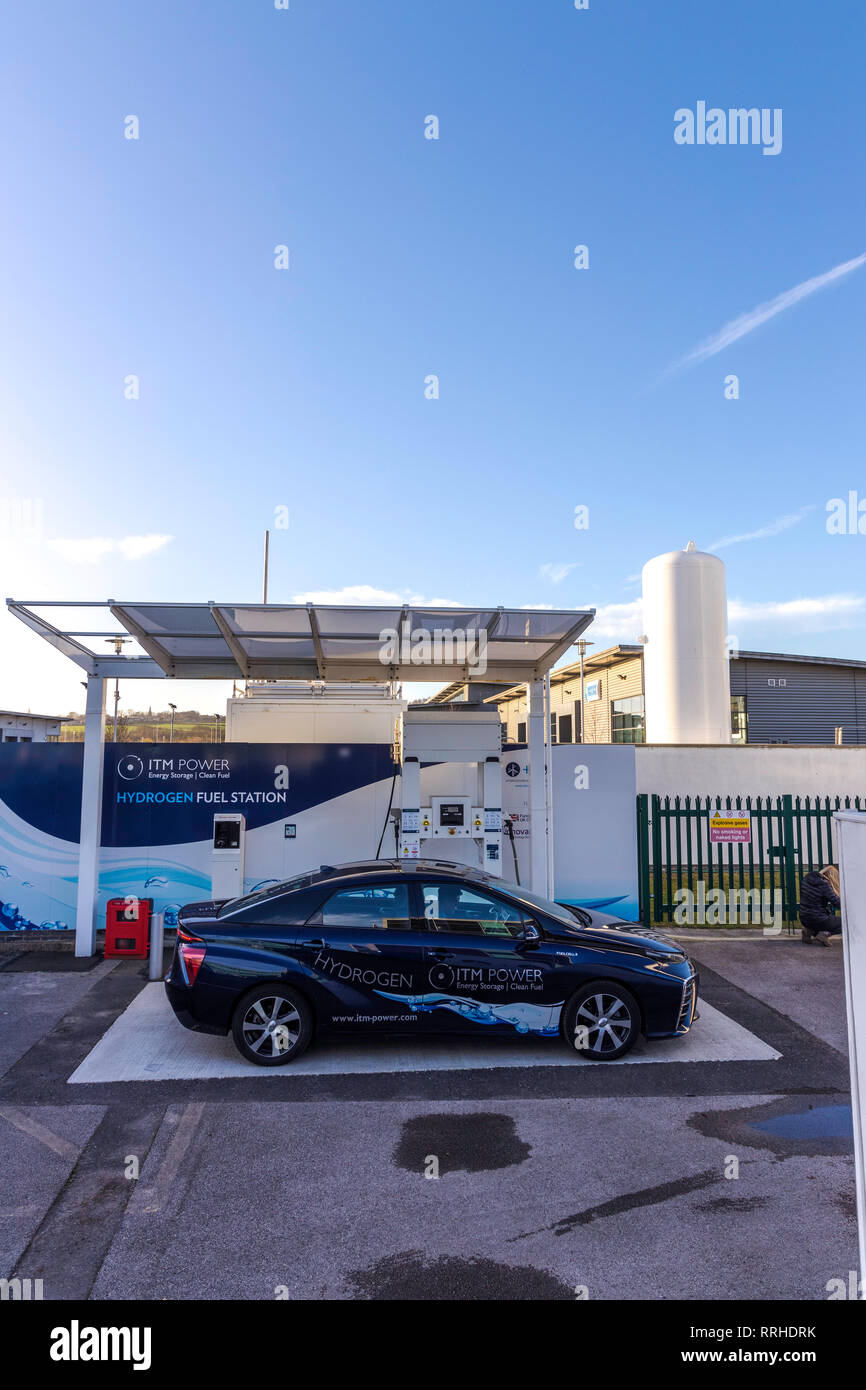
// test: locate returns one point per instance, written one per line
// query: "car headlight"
(669, 957)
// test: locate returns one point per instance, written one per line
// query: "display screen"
(451, 813)
(227, 834)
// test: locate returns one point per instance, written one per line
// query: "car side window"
(379, 908)
(458, 908)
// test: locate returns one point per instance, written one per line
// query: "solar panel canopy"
(317, 642)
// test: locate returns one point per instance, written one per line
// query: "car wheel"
(601, 1021)
(272, 1025)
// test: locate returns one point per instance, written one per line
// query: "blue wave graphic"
(540, 1019)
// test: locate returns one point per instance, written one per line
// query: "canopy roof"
(227, 641)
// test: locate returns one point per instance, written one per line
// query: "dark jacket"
(817, 900)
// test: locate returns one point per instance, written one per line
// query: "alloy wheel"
(607, 1021)
(271, 1026)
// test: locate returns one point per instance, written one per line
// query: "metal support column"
(91, 818)
(537, 788)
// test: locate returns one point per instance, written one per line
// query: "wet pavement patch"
(818, 1122)
(787, 1127)
(629, 1201)
(460, 1143)
(737, 1204)
(410, 1276)
(50, 962)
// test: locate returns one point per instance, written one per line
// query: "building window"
(627, 721)
(521, 732)
(739, 721)
(564, 730)
(553, 736)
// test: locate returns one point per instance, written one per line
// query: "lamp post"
(171, 723)
(118, 648)
(582, 645)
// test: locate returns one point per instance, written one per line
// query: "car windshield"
(274, 890)
(555, 910)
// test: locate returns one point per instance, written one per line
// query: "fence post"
(790, 855)
(657, 893)
(643, 860)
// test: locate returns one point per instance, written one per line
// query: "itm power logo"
(77, 1343)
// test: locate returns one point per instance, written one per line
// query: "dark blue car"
(421, 948)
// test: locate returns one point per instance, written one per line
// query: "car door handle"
(441, 955)
(318, 943)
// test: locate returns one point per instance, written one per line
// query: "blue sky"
(304, 388)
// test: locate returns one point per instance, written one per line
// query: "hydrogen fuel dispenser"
(227, 855)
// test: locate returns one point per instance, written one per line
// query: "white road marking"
(27, 1125)
(146, 1043)
(154, 1198)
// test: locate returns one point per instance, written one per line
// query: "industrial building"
(776, 697)
(17, 726)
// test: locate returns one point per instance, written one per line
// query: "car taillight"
(191, 952)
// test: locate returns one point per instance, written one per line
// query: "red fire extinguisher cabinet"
(127, 926)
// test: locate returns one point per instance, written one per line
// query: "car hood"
(617, 931)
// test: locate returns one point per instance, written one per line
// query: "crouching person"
(819, 906)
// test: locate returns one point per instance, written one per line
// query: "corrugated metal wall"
(796, 702)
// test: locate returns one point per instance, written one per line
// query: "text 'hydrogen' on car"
(425, 947)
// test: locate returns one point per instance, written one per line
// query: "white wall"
(751, 770)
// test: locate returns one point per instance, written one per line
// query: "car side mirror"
(531, 936)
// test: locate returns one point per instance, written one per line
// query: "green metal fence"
(678, 856)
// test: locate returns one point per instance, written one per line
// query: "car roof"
(390, 866)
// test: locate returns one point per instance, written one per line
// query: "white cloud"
(754, 318)
(616, 622)
(89, 550)
(623, 622)
(364, 595)
(556, 572)
(772, 528)
(831, 610)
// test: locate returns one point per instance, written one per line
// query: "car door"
(363, 958)
(481, 971)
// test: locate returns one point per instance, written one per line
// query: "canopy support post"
(91, 818)
(538, 828)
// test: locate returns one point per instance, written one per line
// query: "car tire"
(603, 1000)
(272, 1025)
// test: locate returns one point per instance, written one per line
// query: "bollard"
(157, 931)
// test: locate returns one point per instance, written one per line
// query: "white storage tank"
(687, 686)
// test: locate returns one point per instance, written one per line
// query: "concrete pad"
(146, 1043)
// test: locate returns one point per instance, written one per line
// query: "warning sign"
(730, 830)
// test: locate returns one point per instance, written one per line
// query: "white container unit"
(687, 685)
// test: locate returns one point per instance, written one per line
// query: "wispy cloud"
(557, 572)
(830, 610)
(615, 622)
(772, 528)
(624, 622)
(754, 318)
(360, 594)
(89, 550)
